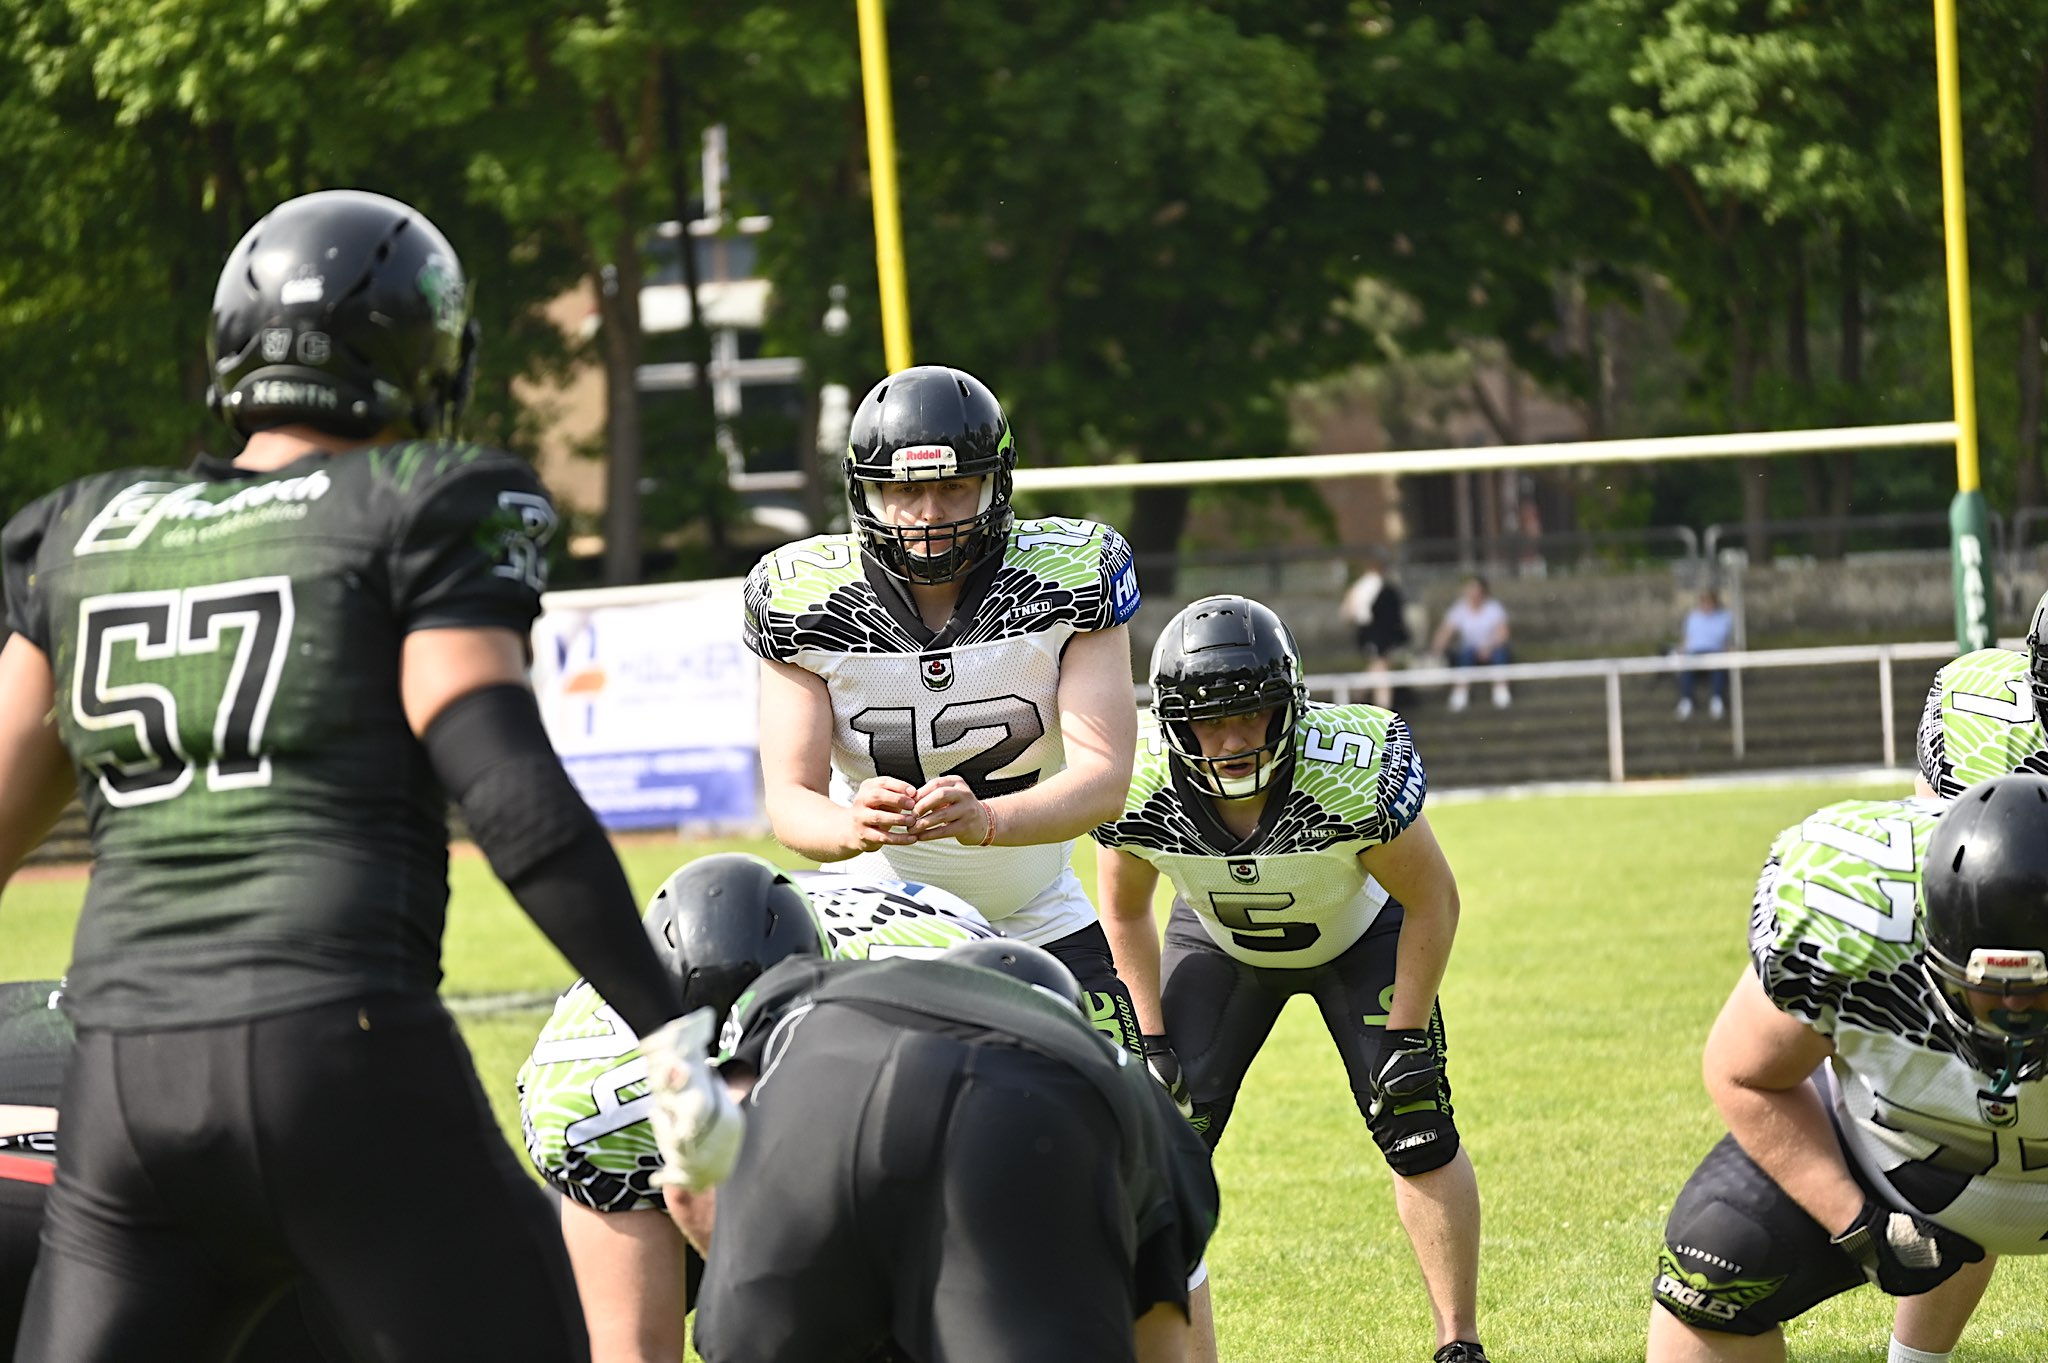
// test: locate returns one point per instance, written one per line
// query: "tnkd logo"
(937, 671)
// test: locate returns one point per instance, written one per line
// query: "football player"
(1983, 715)
(716, 922)
(1301, 863)
(946, 691)
(266, 677)
(1982, 719)
(1878, 1067)
(937, 1157)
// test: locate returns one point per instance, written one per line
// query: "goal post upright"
(1969, 517)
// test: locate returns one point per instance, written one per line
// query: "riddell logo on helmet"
(924, 461)
(1992, 963)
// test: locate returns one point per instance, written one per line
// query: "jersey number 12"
(892, 733)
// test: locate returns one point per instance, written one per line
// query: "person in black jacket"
(1377, 612)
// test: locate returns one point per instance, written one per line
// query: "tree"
(1121, 218)
(147, 140)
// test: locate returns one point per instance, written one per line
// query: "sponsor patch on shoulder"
(1124, 594)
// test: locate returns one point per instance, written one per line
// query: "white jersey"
(1836, 942)
(1294, 893)
(583, 1097)
(978, 698)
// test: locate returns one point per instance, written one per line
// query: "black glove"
(1408, 1071)
(1902, 1253)
(1165, 1067)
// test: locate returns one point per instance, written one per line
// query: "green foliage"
(1145, 222)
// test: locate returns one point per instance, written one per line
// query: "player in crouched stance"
(1301, 864)
(940, 1157)
(716, 923)
(1982, 719)
(1878, 1068)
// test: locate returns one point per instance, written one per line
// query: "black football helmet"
(723, 919)
(928, 424)
(1223, 656)
(1035, 966)
(1984, 920)
(2037, 659)
(345, 311)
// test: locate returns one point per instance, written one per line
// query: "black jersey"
(1165, 1168)
(267, 833)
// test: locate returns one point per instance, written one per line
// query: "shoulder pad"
(469, 546)
(1360, 764)
(1843, 887)
(1085, 558)
(800, 575)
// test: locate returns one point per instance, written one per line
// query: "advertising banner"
(650, 697)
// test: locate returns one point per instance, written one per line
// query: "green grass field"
(1600, 935)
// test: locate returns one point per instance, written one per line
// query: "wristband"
(988, 811)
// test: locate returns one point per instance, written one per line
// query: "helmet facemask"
(1178, 707)
(930, 423)
(1221, 657)
(2011, 1044)
(939, 552)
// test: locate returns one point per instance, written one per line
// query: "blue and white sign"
(651, 698)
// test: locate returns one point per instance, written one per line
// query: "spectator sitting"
(1709, 628)
(1479, 625)
(1377, 612)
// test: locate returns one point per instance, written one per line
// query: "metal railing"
(1346, 687)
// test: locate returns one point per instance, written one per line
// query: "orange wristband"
(988, 811)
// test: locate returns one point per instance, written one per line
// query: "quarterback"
(716, 923)
(946, 691)
(1301, 863)
(1877, 1068)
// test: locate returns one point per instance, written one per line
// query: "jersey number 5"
(893, 741)
(173, 624)
(1234, 910)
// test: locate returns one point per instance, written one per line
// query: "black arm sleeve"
(494, 759)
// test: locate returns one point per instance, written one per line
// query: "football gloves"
(697, 1125)
(1407, 1072)
(1165, 1067)
(1902, 1253)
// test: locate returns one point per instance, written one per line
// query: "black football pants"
(346, 1151)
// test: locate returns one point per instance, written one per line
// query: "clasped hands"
(891, 812)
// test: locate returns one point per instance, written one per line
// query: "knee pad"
(1725, 1265)
(1412, 1142)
